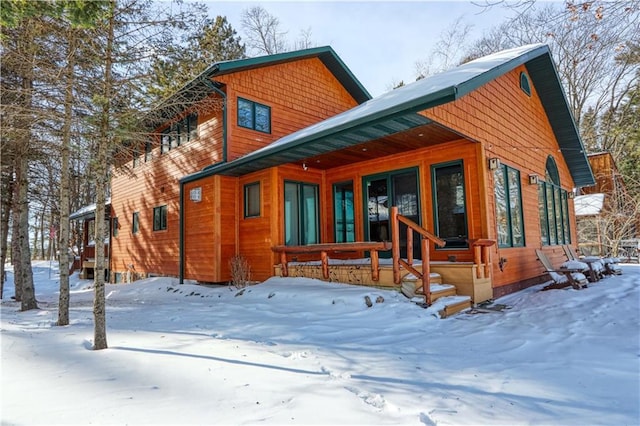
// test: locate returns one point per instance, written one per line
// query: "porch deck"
(462, 275)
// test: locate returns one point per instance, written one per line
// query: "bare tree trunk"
(16, 258)
(65, 187)
(5, 212)
(22, 216)
(101, 169)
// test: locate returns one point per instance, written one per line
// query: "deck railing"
(425, 238)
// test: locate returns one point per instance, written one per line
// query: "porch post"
(395, 244)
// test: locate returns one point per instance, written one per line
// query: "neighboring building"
(605, 213)
(487, 151)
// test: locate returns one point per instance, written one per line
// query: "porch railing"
(323, 249)
(425, 238)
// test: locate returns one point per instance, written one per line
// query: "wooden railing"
(425, 238)
(481, 256)
(323, 249)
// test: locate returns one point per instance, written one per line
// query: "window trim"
(253, 105)
(135, 223)
(525, 83)
(114, 227)
(162, 218)
(340, 210)
(302, 237)
(434, 200)
(504, 169)
(247, 188)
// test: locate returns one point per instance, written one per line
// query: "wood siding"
(513, 127)
(299, 94)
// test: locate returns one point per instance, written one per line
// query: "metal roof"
(396, 111)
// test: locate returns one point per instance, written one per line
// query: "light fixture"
(533, 179)
(494, 163)
(304, 167)
(571, 194)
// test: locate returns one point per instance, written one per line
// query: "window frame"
(509, 205)
(434, 195)
(554, 209)
(114, 227)
(247, 196)
(135, 223)
(301, 237)
(252, 106)
(160, 218)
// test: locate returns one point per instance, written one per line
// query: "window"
(301, 208)
(253, 115)
(147, 151)
(114, 226)
(135, 223)
(508, 193)
(179, 133)
(252, 200)
(136, 157)
(524, 83)
(343, 213)
(450, 204)
(160, 218)
(553, 207)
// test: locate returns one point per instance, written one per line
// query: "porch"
(429, 281)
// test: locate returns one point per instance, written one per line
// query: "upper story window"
(253, 115)
(179, 133)
(525, 85)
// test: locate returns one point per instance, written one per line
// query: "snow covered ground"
(301, 351)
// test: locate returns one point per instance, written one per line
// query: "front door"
(397, 188)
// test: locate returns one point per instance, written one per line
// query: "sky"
(303, 351)
(380, 41)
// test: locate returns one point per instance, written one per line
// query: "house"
(607, 220)
(481, 161)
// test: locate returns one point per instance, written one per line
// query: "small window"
(160, 218)
(147, 151)
(136, 158)
(252, 200)
(524, 83)
(114, 226)
(135, 223)
(165, 141)
(252, 115)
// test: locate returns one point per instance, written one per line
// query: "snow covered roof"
(588, 205)
(87, 212)
(396, 111)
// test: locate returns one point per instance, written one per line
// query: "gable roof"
(396, 111)
(204, 84)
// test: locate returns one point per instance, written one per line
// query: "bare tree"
(264, 36)
(446, 52)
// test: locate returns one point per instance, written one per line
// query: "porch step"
(444, 298)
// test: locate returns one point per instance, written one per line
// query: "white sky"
(380, 41)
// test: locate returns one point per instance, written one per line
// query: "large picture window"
(301, 214)
(253, 115)
(553, 206)
(508, 193)
(160, 218)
